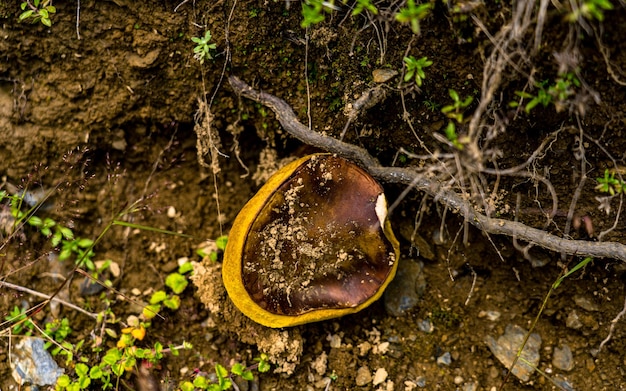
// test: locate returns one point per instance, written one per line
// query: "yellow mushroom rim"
(313, 244)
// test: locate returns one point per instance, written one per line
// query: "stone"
(406, 289)
(363, 376)
(563, 358)
(506, 347)
(380, 376)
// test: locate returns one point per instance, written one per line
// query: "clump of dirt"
(283, 347)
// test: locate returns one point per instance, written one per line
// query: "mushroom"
(313, 244)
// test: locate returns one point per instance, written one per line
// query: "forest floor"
(114, 130)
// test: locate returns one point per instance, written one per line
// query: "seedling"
(177, 282)
(204, 47)
(225, 377)
(415, 69)
(610, 184)
(557, 93)
(455, 112)
(413, 14)
(363, 5)
(590, 9)
(37, 11)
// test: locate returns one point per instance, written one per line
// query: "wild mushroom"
(313, 244)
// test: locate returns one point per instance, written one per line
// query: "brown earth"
(125, 114)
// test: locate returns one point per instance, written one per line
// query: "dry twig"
(407, 176)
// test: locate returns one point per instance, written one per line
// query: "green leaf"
(82, 370)
(185, 268)
(84, 243)
(187, 386)
(172, 303)
(63, 381)
(176, 282)
(200, 382)
(67, 233)
(65, 254)
(83, 382)
(150, 311)
(238, 369)
(25, 15)
(95, 372)
(158, 297)
(221, 242)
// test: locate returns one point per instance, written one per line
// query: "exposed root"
(421, 182)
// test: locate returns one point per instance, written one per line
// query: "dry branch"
(287, 118)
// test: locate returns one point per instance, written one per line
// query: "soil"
(109, 114)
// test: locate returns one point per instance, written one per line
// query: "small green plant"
(362, 5)
(21, 322)
(37, 11)
(225, 377)
(590, 9)
(415, 69)
(202, 51)
(455, 112)
(609, 184)
(59, 236)
(218, 246)
(413, 14)
(177, 282)
(557, 93)
(313, 11)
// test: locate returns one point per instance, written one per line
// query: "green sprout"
(590, 9)
(610, 184)
(547, 94)
(415, 69)
(455, 112)
(37, 11)
(362, 5)
(202, 51)
(412, 14)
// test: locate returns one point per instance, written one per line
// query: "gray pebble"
(31, 363)
(444, 359)
(563, 358)
(426, 326)
(506, 347)
(406, 289)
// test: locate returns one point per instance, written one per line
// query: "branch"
(289, 121)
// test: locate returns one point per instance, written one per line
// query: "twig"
(47, 297)
(595, 352)
(407, 176)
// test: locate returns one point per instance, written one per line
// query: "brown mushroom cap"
(317, 244)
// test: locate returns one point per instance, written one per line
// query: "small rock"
(470, 387)
(421, 382)
(573, 320)
(31, 363)
(380, 376)
(383, 75)
(490, 315)
(363, 376)
(335, 341)
(506, 347)
(406, 289)
(426, 326)
(563, 358)
(444, 359)
(171, 212)
(586, 303)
